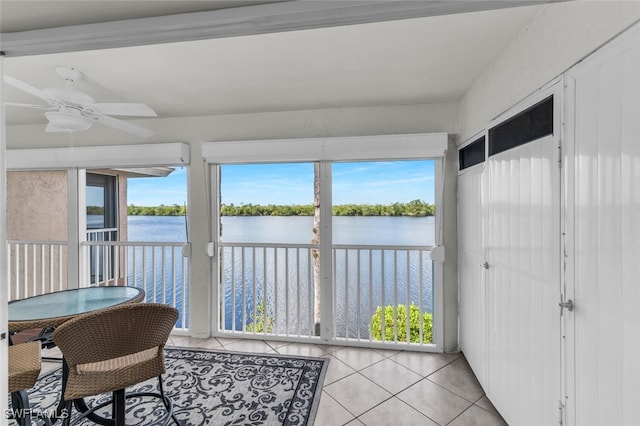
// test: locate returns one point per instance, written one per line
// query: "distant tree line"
(161, 210)
(95, 210)
(416, 208)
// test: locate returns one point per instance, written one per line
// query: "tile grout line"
(392, 394)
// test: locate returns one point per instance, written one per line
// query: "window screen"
(527, 126)
(472, 154)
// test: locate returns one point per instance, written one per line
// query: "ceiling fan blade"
(26, 87)
(123, 125)
(131, 109)
(51, 128)
(15, 104)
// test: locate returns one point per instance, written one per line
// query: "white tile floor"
(378, 387)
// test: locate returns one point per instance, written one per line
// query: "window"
(527, 126)
(472, 154)
(383, 228)
(308, 300)
(102, 198)
(267, 249)
(102, 222)
(381, 216)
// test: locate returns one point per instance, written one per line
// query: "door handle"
(568, 304)
(485, 265)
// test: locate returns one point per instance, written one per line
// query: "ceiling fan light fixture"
(68, 121)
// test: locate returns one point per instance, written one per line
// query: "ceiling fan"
(70, 110)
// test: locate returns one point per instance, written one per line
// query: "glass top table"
(52, 309)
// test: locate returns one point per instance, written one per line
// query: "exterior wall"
(37, 206)
(37, 210)
(561, 35)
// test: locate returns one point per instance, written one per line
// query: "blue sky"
(382, 182)
(155, 191)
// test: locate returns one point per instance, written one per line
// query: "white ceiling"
(406, 61)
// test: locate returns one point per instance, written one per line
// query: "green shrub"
(257, 324)
(401, 316)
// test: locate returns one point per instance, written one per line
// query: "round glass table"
(52, 309)
(49, 310)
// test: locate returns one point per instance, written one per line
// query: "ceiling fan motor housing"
(69, 74)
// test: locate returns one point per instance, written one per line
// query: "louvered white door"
(473, 299)
(603, 235)
(523, 282)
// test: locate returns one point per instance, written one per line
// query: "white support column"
(326, 253)
(200, 235)
(74, 271)
(84, 274)
(4, 283)
(215, 238)
(438, 266)
(447, 278)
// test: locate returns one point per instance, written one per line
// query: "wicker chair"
(24, 369)
(110, 349)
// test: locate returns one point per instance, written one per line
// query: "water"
(370, 230)
(160, 229)
(169, 229)
(350, 320)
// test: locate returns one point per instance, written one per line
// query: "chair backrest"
(115, 332)
(24, 365)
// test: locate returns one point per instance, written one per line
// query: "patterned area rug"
(219, 388)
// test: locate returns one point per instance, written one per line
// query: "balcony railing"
(269, 290)
(160, 269)
(38, 267)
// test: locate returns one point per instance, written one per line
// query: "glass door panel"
(267, 249)
(383, 228)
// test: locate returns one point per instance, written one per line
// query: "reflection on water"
(363, 279)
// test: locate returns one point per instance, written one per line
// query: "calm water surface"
(298, 230)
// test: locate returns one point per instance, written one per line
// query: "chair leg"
(118, 407)
(20, 405)
(68, 407)
(167, 402)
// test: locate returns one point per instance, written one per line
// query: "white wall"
(4, 285)
(554, 40)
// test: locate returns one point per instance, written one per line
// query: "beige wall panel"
(37, 209)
